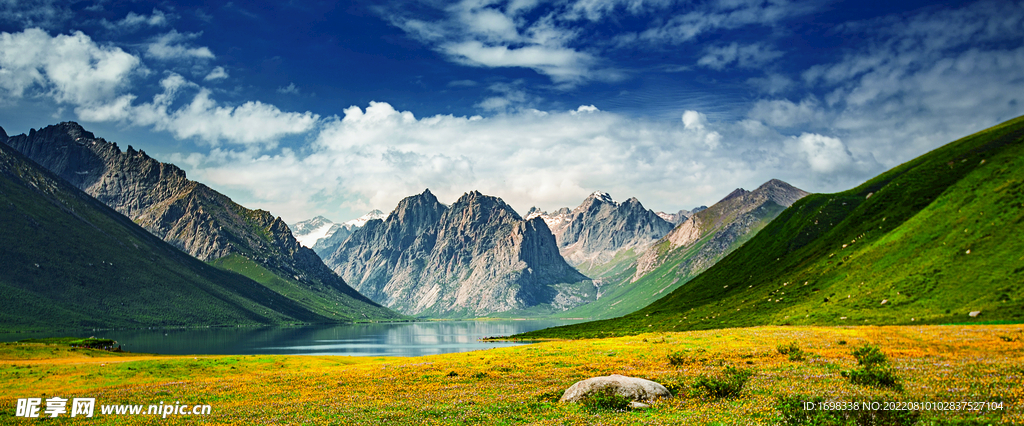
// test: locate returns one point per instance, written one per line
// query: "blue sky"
(307, 108)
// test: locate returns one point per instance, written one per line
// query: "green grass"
(935, 238)
(320, 300)
(744, 382)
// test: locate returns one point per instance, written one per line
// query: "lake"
(389, 339)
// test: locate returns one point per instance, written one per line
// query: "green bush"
(793, 350)
(685, 358)
(730, 385)
(605, 400)
(869, 355)
(875, 369)
(877, 376)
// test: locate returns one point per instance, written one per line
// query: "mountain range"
(193, 217)
(324, 236)
(72, 262)
(638, 277)
(475, 257)
(593, 232)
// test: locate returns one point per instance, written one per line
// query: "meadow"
(786, 366)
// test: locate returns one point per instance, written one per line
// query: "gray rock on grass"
(636, 389)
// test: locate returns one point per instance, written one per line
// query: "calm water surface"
(397, 339)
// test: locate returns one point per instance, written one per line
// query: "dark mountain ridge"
(187, 214)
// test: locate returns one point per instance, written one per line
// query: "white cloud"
(462, 83)
(218, 73)
(133, 21)
(694, 120)
(290, 90)
(35, 13)
(374, 157)
(922, 80)
(171, 46)
(824, 155)
(69, 68)
(95, 80)
(786, 114)
(481, 34)
(718, 15)
(584, 109)
(750, 56)
(252, 123)
(511, 97)
(772, 83)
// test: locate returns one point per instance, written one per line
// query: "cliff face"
(592, 233)
(189, 215)
(473, 258)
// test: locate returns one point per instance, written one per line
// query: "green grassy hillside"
(69, 261)
(927, 242)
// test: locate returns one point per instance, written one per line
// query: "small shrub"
(453, 374)
(673, 386)
(793, 350)
(869, 355)
(877, 376)
(685, 358)
(730, 385)
(842, 342)
(605, 400)
(875, 369)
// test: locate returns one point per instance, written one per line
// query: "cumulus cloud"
(134, 21)
(218, 73)
(173, 46)
(69, 68)
(96, 81)
(373, 157)
(824, 155)
(251, 123)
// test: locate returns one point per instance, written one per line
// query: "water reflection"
(398, 339)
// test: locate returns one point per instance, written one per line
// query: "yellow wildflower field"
(521, 385)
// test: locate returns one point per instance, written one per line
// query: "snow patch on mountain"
(361, 220)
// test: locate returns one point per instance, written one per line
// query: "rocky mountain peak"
(477, 256)
(601, 196)
(780, 192)
(534, 212)
(481, 205)
(738, 192)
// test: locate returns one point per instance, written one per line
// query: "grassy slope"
(71, 262)
(518, 385)
(937, 238)
(330, 304)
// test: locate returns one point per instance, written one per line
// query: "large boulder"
(634, 388)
